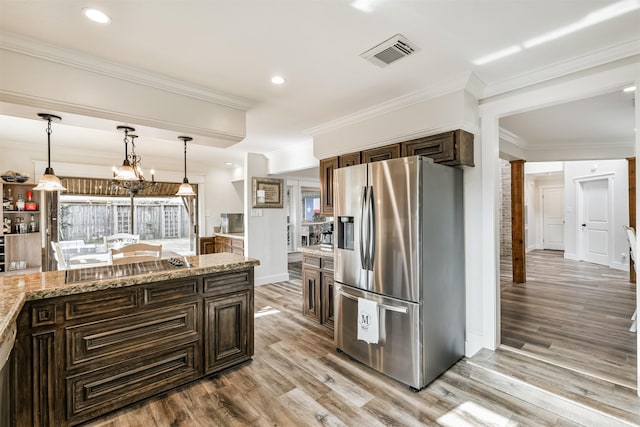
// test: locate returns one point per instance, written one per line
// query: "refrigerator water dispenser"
(345, 232)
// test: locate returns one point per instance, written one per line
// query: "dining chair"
(137, 252)
(631, 237)
(58, 255)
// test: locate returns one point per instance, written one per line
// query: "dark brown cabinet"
(381, 153)
(229, 244)
(327, 166)
(311, 293)
(207, 245)
(228, 337)
(450, 148)
(326, 293)
(350, 159)
(317, 288)
(80, 356)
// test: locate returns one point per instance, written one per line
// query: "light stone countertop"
(231, 235)
(15, 290)
(316, 250)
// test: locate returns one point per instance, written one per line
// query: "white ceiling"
(235, 46)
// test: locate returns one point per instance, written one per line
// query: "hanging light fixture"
(185, 188)
(49, 181)
(129, 176)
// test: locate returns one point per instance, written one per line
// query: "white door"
(553, 218)
(595, 221)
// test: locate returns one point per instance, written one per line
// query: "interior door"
(595, 221)
(553, 218)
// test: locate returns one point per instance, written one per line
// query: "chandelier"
(129, 176)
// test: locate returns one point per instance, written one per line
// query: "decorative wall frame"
(267, 192)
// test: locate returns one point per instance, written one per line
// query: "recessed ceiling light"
(228, 163)
(96, 15)
(277, 80)
(629, 89)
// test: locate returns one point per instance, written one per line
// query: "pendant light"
(49, 181)
(185, 188)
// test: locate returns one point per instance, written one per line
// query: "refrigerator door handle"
(372, 230)
(387, 307)
(363, 258)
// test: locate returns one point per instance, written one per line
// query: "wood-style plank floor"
(296, 378)
(575, 314)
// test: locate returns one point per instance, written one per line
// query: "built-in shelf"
(21, 234)
(19, 212)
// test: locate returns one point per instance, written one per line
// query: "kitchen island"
(93, 340)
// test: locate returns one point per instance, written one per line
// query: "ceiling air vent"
(390, 51)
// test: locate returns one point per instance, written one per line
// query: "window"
(171, 221)
(123, 224)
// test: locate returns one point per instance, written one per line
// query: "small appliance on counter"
(326, 238)
(231, 223)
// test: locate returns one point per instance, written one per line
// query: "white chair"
(138, 252)
(631, 237)
(58, 255)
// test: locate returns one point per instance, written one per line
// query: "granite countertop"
(231, 235)
(15, 290)
(316, 250)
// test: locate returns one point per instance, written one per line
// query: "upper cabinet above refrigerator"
(453, 148)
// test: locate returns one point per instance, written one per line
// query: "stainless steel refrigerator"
(400, 243)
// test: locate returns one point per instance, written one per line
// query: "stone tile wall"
(505, 208)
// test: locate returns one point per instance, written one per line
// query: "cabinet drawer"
(237, 243)
(327, 264)
(115, 386)
(311, 261)
(96, 303)
(221, 284)
(169, 291)
(129, 335)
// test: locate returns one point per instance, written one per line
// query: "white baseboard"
(620, 266)
(535, 247)
(571, 256)
(265, 280)
(473, 343)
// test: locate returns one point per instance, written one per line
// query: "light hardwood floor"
(575, 314)
(296, 378)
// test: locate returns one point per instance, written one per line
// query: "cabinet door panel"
(327, 300)
(381, 153)
(350, 159)
(327, 166)
(228, 331)
(311, 294)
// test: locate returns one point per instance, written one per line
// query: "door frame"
(580, 240)
(542, 190)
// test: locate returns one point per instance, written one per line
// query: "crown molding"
(613, 53)
(512, 138)
(457, 83)
(55, 105)
(38, 49)
(581, 146)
